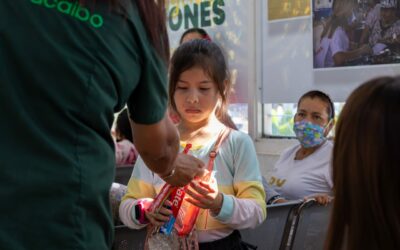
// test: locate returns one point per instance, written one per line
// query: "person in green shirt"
(66, 66)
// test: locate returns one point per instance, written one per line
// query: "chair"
(312, 226)
(123, 174)
(273, 232)
(129, 239)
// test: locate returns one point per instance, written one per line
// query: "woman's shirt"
(295, 179)
(66, 68)
(238, 178)
(339, 42)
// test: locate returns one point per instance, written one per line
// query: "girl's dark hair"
(208, 56)
(153, 15)
(200, 31)
(366, 169)
(123, 125)
(330, 109)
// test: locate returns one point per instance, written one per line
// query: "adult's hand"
(186, 167)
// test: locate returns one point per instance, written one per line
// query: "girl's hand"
(158, 219)
(205, 195)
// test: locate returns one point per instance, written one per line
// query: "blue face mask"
(309, 134)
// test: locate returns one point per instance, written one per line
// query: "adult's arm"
(158, 145)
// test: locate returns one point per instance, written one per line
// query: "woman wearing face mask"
(303, 170)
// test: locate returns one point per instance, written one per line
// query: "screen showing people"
(356, 32)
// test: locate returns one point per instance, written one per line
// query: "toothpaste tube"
(173, 194)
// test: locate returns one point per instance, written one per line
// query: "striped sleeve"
(139, 187)
(247, 208)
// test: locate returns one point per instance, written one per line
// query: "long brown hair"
(153, 15)
(366, 172)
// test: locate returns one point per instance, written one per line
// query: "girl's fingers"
(165, 211)
(167, 203)
(199, 189)
(196, 203)
(207, 186)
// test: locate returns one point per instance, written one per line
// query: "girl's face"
(313, 110)
(196, 96)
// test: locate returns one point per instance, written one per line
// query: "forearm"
(158, 145)
(342, 57)
(241, 213)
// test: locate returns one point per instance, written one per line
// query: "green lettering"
(178, 24)
(219, 12)
(96, 21)
(280, 182)
(192, 16)
(80, 11)
(272, 181)
(205, 14)
(64, 7)
(74, 8)
(37, 1)
(48, 5)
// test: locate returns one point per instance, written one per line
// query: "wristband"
(168, 175)
(140, 212)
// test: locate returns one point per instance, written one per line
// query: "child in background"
(125, 151)
(198, 91)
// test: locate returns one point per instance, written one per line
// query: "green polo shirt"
(65, 68)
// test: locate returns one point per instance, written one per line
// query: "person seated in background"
(334, 49)
(366, 173)
(194, 33)
(386, 32)
(372, 16)
(303, 170)
(125, 151)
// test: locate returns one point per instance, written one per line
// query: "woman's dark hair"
(208, 56)
(330, 109)
(200, 31)
(123, 125)
(366, 170)
(337, 19)
(153, 15)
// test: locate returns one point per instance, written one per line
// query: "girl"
(199, 85)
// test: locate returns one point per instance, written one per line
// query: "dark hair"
(153, 15)
(336, 19)
(200, 31)
(123, 125)
(208, 56)
(330, 109)
(366, 169)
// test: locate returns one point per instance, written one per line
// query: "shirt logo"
(73, 9)
(276, 181)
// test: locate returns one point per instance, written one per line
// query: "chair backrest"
(129, 239)
(123, 174)
(272, 233)
(312, 226)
